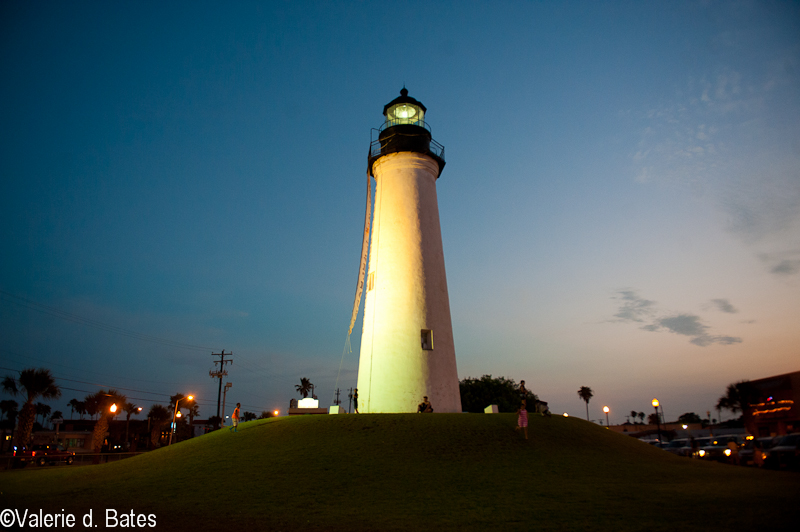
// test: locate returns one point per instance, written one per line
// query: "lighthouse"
(407, 348)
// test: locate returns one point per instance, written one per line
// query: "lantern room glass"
(405, 113)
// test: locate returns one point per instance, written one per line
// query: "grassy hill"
(416, 472)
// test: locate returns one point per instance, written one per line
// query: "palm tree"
(73, 406)
(129, 409)
(103, 401)
(304, 387)
(194, 410)
(585, 393)
(641, 416)
(737, 397)
(159, 416)
(91, 403)
(56, 415)
(35, 383)
(42, 410)
(634, 413)
(80, 409)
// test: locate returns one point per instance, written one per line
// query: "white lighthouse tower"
(407, 349)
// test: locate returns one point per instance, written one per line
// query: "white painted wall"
(408, 294)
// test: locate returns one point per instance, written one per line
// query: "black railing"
(375, 145)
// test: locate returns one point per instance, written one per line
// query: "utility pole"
(228, 385)
(337, 401)
(218, 374)
(350, 404)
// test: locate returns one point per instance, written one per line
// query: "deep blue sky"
(620, 207)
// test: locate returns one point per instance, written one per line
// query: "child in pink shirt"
(522, 419)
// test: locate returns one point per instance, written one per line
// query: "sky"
(620, 207)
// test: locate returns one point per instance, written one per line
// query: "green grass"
(416, 472)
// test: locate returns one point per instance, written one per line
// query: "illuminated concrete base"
(407, 349)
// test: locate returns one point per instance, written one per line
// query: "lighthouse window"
(427, 339)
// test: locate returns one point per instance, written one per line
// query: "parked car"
(785, 453)
(680, 447)
(717, 448)
(43, 454)
(753, 445)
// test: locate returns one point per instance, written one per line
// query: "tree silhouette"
(585, 393)
(159, 416)
(129, 409)
(737, 397)
(42, 410)
(477, 394)
(103, 401)
(34, 383)
(304, 388)
(10, 409)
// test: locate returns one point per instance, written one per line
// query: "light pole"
(175, 415)
(606, 410)
(658, 421)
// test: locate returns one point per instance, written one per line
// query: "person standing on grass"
(355, 400)
(523, 392)
(522, 418)
(235, 418)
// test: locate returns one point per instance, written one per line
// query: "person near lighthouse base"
(425, 406)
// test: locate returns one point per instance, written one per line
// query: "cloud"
(637, 309)
(685, 324)
(634, 308)
(724, 305)
(785, 264)
(690, 325)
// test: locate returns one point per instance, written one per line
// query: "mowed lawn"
(415, 472)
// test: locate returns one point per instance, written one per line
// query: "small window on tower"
(427, 339)
(370, 281)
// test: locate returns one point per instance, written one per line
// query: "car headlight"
(701, 453)
(727, 452)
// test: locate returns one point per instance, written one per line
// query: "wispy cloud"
(731, 137)
(724, 305)
(785, 263)
(633, 308)
(637, 309)
(690, 325)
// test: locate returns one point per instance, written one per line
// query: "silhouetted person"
(425, 406)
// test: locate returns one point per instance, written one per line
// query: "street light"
(275, 413)
(658, 421)
(606, 410)
(176, 415)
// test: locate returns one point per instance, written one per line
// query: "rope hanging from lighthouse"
(364, 251)
(361, 272)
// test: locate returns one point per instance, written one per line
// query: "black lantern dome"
(405, 129)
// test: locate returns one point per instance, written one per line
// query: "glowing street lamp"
(275, 413)
(113, 408)
(658, 421)
(606, 410)
(176, 415)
